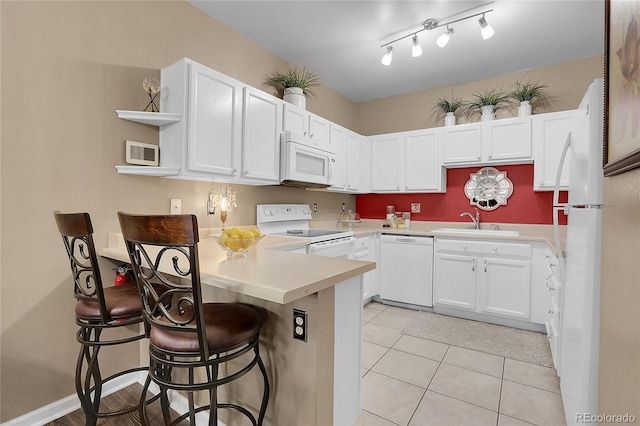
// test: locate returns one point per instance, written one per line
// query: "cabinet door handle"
(485, 265)
(473, 265)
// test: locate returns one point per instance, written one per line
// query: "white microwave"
(302, 164)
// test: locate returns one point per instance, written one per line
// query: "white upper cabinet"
(213, 133)
(507, 139)
(355, 145)
(549, 135)
(407, 162)
(228, 133)
(346, 172)
(423, 171)
(298, 120)
(205, 144)
(387, 155)
(338, 173)
(462, 144)
(261, 128)
(502, 141)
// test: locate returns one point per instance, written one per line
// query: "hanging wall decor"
(488, 188)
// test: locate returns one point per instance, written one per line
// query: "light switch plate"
(415, 207)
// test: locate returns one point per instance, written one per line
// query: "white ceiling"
(340, 40)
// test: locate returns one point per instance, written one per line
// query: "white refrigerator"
(580, 258)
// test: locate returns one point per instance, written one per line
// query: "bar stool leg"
(213, 397)
(83, 394)
(265, 396)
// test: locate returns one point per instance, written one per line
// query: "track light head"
(485, 29)
(386, 59)
(444, 37)
(416, 49)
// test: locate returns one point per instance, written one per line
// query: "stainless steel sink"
(478, 232)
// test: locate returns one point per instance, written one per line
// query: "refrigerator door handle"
(563, 157)
(559, 248)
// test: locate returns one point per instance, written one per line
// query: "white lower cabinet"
(506, 287)
(365, 249)
(486, 277)
(455, 281)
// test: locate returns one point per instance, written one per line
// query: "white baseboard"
(64, 406)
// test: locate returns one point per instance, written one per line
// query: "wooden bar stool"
(98, 309)
(189, 342)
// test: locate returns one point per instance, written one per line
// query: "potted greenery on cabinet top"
(527, 93)
(488, 102)
(447, 108)
(296, 82)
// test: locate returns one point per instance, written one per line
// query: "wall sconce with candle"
(223, 199)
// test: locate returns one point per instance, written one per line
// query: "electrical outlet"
(344, 206)
(176, 206)
(315, 208)
(415, 207)
(300, 324)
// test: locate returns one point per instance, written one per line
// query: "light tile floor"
(410, 381)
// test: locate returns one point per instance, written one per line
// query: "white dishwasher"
(406, 269)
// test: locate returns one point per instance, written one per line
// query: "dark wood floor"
(117, 400)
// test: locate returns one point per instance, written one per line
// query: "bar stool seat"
(227, 325)
(192, 343)
(98, 309)
(121, 301)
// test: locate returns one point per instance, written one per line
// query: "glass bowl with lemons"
(235, 240)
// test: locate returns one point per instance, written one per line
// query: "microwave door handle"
(330, 167)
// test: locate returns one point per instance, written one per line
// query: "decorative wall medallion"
(488, 188)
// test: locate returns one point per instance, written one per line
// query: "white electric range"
(292, 220)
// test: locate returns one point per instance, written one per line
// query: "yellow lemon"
(223, 239)
(234, 243)
(235, 232)
(256, 232)
(247, 242)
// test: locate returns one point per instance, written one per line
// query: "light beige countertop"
(542, 233)
(267, 273)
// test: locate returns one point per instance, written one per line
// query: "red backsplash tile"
(524, 205)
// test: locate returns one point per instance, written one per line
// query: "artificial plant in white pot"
(488, 103)
(528, 93)
(296, 83)
(447, 108)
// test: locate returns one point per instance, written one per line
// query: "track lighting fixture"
(444, 38)
(431, 24)
(485, 29)
(386, 59)
(416, 50)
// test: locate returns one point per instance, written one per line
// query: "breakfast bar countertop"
(267, 273)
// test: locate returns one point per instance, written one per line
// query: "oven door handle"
(332, 243)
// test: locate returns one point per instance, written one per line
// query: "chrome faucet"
(476, 220)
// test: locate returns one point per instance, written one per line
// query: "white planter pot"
(295, 96)
(488, 112)
(524, 109)
(450, 119)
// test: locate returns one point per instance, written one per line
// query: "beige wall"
(66, 66)
(566, 82)
(620, 296)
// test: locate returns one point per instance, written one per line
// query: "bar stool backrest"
(77, 235)
(164, 253)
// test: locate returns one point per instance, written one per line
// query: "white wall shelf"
(153, 118)
(148, 170)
